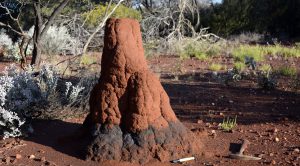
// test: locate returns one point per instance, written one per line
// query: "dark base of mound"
(111, 143)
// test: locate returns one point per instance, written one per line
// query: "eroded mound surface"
(131, 116)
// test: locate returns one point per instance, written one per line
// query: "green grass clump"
(265, 68)
(239, 66)
(242, 51)
(228, 124)
(280, 50)
(87, 60)
(216, 67)
(201, 50)
(259, 52)
(287, 71)
(192, 51)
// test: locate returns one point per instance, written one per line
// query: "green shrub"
(193, 51)
(201, 50)
(241, 52)
(95, 16)
(284, 51)
(265, 68)
(259, 52)
(239, 66)
(287, 71)
(216, 67)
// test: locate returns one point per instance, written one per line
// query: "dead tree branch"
(101, 24)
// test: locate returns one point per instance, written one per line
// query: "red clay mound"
(130, 112)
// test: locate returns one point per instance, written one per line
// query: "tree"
(107, 14)
(276, 17)
(13, 23)
(42, 27)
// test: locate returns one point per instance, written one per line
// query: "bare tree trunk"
(36, 53)
(39, 31)
(25, 40)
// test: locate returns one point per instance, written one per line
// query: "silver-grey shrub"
(58, 40)
(9, 48)
(22, 93)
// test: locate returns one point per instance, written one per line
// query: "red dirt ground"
(268, 119)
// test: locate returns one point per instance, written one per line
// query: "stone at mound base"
(130, 115)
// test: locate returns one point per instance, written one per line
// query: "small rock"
(214, 133)
(273, 162)
(31, 156)
(271, 154)
(208, 125)
(275, 130)
(276, 139)
(18, 156)
(296, 150)
(200, 121)
(230, 101)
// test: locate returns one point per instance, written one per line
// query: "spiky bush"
(24, 93)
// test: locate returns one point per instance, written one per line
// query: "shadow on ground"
(194, 97)
(59, 135)
(191, 101)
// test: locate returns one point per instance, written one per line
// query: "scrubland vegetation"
(200, 30)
